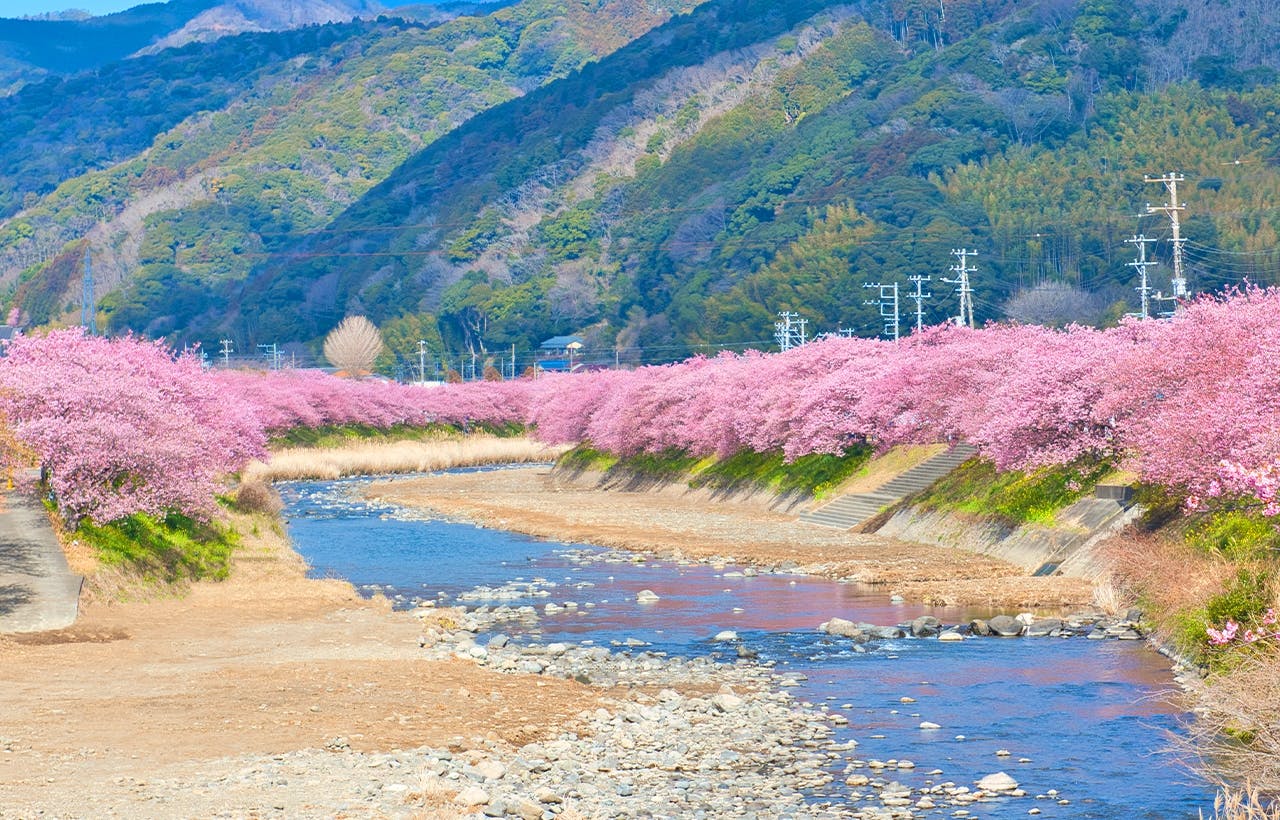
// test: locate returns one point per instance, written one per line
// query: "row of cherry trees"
(124, 425)
(1192, 403)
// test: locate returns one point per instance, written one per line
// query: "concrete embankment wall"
(1067, 547)
(621, 481)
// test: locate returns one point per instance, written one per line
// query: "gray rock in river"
(1005, 626)
(926, 626)
(886, 633)
(1040, 629)
(979, 627)
(842, 628)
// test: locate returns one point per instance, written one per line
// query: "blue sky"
(17, 8)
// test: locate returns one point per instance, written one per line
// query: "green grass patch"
(669, 465)
(1238, 535)
(1014, 497)
(167, 550)
(813, 474)
(587, 458)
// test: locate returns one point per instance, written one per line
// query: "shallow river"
(1091, 718)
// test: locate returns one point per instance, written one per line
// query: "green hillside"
(555, 168)
(271, 145)
(838, 154)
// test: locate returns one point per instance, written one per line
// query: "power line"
(1173, 209)
(1144, 289)
(789, 330)
(919, 296)
(962, 271)
(88, 303)
(888, 303)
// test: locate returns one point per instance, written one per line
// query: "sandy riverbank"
(130, 711)
(533, 501)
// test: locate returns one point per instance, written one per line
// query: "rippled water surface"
(1092, 717)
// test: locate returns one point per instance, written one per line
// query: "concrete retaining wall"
(1067, 548)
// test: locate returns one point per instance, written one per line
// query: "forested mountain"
(654, 182)
(32, 49)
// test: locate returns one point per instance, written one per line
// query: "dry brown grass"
(1236, 734)
(384, 457)
(1167, 575)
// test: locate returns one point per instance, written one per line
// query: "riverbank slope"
(694, 525)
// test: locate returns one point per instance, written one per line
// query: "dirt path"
(533, 501)
(264, 664)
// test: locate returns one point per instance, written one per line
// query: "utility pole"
(513, 362)
(1143, 288)
(962, 271)
(888, 303)
(789, 330)
(227, 349)
(271, 351)
(88, 306)
(919, 296)
(1173, 209)
(422, 360)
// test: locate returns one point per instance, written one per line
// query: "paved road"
(37, 590)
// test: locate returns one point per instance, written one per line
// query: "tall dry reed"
(1243, 804)
(1236, 733)
(376, 458)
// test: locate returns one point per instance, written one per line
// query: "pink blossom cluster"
(1174, 400)
(285, 399)
(122, 425)
(1231, 631)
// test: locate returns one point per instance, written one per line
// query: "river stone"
(472, 796)
(726, 702)
(979, 627)
(726, 635)
(887, 633)
(951, 635)
(925, 724)
(545, 795)
(926, 626)
(525, 809)
(841, 628)
(490, 770)
(1041, 629)
(998, 782)
(646, 596)
(1005, 627)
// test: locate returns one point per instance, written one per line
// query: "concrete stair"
(848, 511)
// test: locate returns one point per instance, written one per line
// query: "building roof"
(561, 342)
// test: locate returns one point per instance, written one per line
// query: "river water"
(1089, 719)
